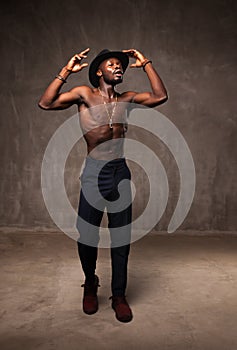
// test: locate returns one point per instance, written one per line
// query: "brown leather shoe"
(90, 300)
(122, 310)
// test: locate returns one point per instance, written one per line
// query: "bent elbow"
(161, 99)
(164, 98)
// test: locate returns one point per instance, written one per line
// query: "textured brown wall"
(192, 45)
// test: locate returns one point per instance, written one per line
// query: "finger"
(83, 54)
(83, 65)
(130, 52)
(78, 57)
(85, 51)
(133, 65)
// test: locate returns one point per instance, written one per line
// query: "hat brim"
(94, 79)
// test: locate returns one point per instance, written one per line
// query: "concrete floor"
(182, 290)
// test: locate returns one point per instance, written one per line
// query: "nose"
(118, 66)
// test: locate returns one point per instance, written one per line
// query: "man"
(101, 111)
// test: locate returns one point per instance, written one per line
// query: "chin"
(117, 81)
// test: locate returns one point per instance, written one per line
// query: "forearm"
(157, 85)
(158, 94)
(52, 91)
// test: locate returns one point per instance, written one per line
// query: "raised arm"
(158, 95)
(52, 98)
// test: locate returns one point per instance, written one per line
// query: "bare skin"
(96, 105)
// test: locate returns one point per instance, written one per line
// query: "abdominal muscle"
(105, 143)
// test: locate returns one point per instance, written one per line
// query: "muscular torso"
(102, 141)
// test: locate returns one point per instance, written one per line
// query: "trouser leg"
(120, 233)
(88, 223)
(88, 258)
(119, 260)
(120, 248)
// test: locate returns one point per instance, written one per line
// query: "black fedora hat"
(104, 55)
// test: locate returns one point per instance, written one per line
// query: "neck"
(107, 90)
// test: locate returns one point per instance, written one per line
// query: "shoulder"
(82, 90)
(81, 93)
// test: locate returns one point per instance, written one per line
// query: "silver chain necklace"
(110, 116)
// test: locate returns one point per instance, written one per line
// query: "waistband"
(101, 162)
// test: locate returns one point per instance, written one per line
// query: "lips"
(118, 73)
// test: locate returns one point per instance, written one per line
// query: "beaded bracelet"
(61, 78)
(144, 64)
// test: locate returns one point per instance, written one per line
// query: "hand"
(140, 59)
(74, 64)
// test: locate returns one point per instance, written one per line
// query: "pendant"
(110, 123)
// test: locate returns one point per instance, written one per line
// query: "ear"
(99, 73)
